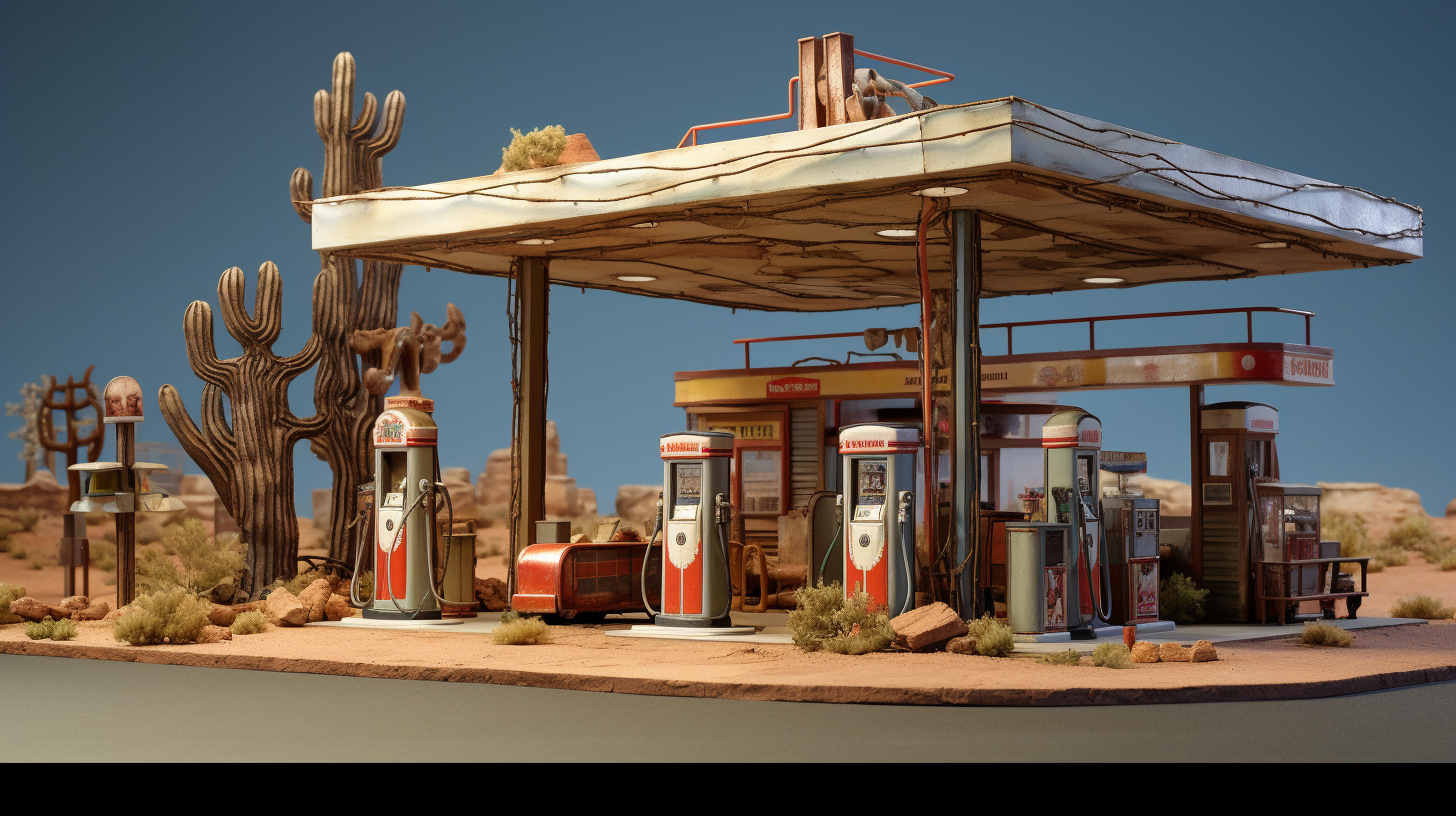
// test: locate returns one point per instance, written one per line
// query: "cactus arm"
(201, 353)
(300, 189)
(261, 328)
(365, 122)
(194, 441)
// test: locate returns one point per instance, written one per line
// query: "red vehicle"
(585, 582)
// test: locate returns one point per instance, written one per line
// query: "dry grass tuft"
(1421, 606)
(993, 638)
(518, 631)
(1112, 656)
(1323, 634)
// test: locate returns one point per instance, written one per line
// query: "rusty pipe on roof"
(693, 131)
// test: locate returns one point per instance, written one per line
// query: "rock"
(562, 498)
(1202, 652)
(283, 608)
(1451, 509)
(493, 487)
(1173, 653)
(1176, 496)
(116, 613)
(493, 594)
(961, 645)
(927, 627)
(213, 634)
(75, 602)
(323, 503)
(94, 612)
(588, 499)
(581, 538)
(196, 484)
(1382, 508)
(33, 610)
(10, 617)
(638, 503)
(1144, 652)
(222, 615)
(41, 492)
(314, 597)
(578, 149)
(337, 608)
(225, 593)
(462, 494)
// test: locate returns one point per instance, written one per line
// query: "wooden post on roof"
(838, 75)
(811, 62)
(530, 473)
(1195, 522)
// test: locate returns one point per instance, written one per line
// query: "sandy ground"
(584, 658)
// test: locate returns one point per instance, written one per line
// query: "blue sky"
(147, 148)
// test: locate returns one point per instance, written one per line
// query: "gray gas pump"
(1072, 443)
(696, 589)
(879, 527)
(405, 482)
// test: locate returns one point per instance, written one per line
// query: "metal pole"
(126, 522)
(1195, 410)
(533, 291)
(966, 391)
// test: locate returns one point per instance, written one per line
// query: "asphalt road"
(67, 709)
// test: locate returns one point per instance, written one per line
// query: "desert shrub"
(1413, 533)
(1448, 561)
(109, 535)
(1323, 634)
(96, 517)
(250, 623)
(18, 552)
(48, 629)
(8, 527)
(1112, 656)
(1180, 600)
(197, 563)
(8, 593)
(539, 148)
(148, 534)
(1375, 565)
(103, 555)
(993, 638)
(1348, 529)
(1390, 557)
(37, 563)
(519, 631)
(170, 616)
(825, 619)
(1068, 658)
(27, 517)
(301, 581)
(1421, 606)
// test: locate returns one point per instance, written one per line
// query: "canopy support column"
(529, 491)
(965, 422)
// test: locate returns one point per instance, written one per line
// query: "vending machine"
(1072, 443)
(879, 529)
(1236, 453)
(696, 513)
(1132, 523)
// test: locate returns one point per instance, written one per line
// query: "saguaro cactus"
(250, 461)
(353, 161)
(75, 440)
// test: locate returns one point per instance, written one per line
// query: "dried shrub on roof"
(539, 148)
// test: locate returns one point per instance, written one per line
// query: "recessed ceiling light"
(1103, 280)
(645, 225)
(535, 241)
(1272, 245)
(635, 278)
(896, 233)
(941, 192)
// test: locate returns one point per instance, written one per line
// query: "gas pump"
(1072, 442)
(879, 535)
(696, 513)
(406, 484)
(1131, 522)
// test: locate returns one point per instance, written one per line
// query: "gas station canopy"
(793, 221)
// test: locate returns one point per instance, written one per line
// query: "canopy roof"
(788, 221)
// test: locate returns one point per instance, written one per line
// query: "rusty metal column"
(1195, 521)
(965, 434)
(531, 363)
